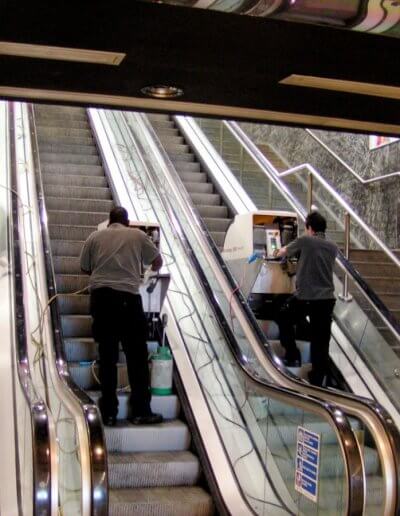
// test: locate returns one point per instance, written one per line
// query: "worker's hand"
(275, 253)
(148, 274)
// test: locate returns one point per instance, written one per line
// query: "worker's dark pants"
(118, 317)
(293, 313)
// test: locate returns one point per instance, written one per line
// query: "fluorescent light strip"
(359, 88)
(61, 53)
(176, 106)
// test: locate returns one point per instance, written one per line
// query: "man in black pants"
(113, 258)
(314, 296)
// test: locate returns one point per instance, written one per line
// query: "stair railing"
(360, 179)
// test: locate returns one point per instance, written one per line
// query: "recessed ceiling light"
(161, 91)
(61, 53)
(359, 88)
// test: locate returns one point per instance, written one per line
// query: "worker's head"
(120, 215)
(315, 223)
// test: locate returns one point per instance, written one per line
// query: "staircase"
(152, 469)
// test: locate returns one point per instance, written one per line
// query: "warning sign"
(307, 463)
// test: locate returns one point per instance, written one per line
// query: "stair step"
(76, 325)
(183, 167)
(78, 192)
(163, 501)
(74, 305)
(72, 169)
(59, 122)
(213, 211)
(217, 224)
(167, 406)
(167, 436)
(71, 282)
(199, 188)
(76, 218)
(74, 180)
(64, 140)
(66, 247)
(63, 232)
(193, 177)
(218, 237)
(206, 199)
(54, 203)
(77, 159)
(86, 374)
(377, 268)
(52, 132)
(178, 158)
(148, 469)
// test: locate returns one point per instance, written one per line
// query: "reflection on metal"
(161, 91)
(345, 295)
(374, 16)
(43, 445)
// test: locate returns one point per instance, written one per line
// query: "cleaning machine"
(250, 244)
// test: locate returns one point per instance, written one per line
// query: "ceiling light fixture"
(161, 91)
(61, 53)
(359, 88)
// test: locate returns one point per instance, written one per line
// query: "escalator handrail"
(269, 170)
(327, 411)
(97, 467)
(375, 416)
(42, 446)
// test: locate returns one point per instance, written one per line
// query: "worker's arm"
(156, 264)
(85, 257)
(280, 253)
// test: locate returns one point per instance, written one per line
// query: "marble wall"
(376, 203)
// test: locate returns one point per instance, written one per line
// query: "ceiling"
(227, 65)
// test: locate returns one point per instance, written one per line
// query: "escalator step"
(74, 180)
(81, 159)
(62, 232)
(77, 218)
(206, 199)
(213, 211)
(65, 148)
(77, 192)
(70, 304)
(66, 247)
(167, 501)
(57, 203)
(146, 469)
(72, 169)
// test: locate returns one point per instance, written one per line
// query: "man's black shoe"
(147, 419)
(110, 420)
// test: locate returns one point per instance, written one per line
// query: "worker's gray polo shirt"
(113, 257)
(314, 275)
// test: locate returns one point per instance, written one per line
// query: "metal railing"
(92, 447)
(44, 470)
(313, 175)
(337, 158)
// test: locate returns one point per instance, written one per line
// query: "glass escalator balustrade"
(254, 427)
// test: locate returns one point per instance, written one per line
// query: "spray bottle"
(162, 366)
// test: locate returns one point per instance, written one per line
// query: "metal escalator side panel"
(43, 448)
(92, 450)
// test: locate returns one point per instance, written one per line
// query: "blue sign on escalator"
(307, 463)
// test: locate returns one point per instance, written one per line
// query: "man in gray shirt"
(314, 296)
(113, 257)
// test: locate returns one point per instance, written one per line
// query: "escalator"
(78, 197)
(370, 266)
(143, 461)
(149, 468)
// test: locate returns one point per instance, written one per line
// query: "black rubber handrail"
(42, 491)
(90, 412)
